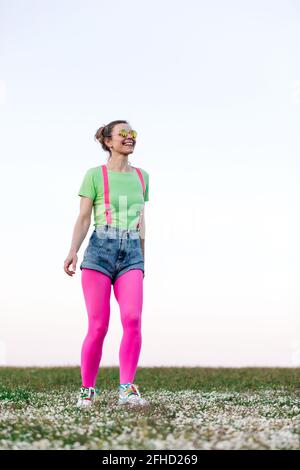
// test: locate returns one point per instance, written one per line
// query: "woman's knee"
(132, 322)
(98, 330)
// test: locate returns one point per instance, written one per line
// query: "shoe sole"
(87, 403)
(133, 402)
(84, 404)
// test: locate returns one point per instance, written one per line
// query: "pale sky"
(213, 89)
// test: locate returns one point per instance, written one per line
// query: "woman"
(115, 255)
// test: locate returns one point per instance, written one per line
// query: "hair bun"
(105, 131)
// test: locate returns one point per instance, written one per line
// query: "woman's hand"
(71, 258)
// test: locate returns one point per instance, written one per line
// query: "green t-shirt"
(125, 195)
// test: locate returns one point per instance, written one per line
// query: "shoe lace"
(132, 389)
(87, 392)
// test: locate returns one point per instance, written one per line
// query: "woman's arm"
(82, 223)
(79, 233)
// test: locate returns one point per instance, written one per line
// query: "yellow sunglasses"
(124, 133)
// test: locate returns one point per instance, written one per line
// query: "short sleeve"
(87, 187)
(146, 195)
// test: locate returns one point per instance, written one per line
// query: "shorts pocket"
(98, 239)
(136, 254)
(97, 250)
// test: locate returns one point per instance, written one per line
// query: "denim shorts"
(113, 251)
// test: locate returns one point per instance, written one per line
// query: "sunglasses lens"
(124, 133)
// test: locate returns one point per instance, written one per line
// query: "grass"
(190, 408)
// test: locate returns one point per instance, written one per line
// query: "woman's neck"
(120, 166)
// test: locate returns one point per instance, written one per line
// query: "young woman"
(115, 255)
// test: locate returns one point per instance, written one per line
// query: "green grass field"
(190, 408)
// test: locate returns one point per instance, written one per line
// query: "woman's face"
(119, 143)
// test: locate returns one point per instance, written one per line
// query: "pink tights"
(128, 290)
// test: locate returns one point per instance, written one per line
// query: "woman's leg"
(96, 288)
(128, 290)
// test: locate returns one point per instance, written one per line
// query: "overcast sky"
(213, 90)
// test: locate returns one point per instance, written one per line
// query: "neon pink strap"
(144, 189)
(106, 192)
(106, 195)
(141, 179)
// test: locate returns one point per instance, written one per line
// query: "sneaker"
(129, 393)
(88, 395)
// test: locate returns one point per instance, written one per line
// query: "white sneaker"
(129, 393)
(88, 396)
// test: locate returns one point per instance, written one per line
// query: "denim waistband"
(117, 232)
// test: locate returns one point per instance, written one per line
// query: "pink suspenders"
(106, 192)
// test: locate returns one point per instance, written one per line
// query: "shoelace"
(131, 390)
(87, 392)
